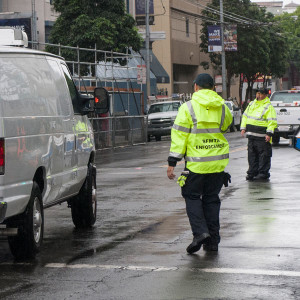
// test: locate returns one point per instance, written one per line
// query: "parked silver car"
(161, 116)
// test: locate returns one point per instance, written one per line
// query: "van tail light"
(2, 156)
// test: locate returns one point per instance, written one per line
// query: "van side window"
(26, 86)
(64, 101)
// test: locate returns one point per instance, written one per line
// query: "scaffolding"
(120, 74)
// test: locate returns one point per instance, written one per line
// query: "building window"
(187, 27)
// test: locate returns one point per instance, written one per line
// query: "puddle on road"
(114, 243)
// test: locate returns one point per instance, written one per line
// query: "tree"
(290, 26)
(90, 23)
(260, 45)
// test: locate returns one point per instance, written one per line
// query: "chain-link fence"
(111, 132)
(126, 123)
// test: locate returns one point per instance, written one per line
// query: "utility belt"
(184, 175)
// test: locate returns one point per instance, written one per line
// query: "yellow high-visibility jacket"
(259, 119)
(198, 133)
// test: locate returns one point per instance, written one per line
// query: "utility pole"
(34, 29)
(147, 49)
(224, 86)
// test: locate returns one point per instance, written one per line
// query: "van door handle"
(283, 110)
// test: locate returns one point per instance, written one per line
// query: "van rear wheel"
(84, 205)
(30, 226)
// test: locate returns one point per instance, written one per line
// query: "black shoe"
(262, 177)
(197, 243)
(210, 247)
(249, 177)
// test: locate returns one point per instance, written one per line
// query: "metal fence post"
(113, 137)
(131, 130)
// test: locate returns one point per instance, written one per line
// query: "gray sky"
(285, 2)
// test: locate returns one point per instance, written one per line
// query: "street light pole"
(147, 49)
(34, 29)
(224, 86)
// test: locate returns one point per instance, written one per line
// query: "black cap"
(262, 91)
(204, 80)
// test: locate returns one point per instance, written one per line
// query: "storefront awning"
(156, 68)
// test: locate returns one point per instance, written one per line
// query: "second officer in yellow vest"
(197, 136)
(258, 123)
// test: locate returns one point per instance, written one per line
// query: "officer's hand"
(268, 138)
(243, 132)
(170, 172)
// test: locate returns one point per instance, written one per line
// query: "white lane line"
(253, 272)
(160, 269)
(111, 267)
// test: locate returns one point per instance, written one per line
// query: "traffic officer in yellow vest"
(197, 136)
(258, 124)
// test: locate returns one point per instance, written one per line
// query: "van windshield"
(163, 107)
(286, 97)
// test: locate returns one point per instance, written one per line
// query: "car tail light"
(2, 156)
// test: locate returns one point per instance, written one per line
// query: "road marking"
(163, 269)
(111, 267)
(238, 149)
(253, 272)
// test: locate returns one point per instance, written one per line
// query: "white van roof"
(9, 49)
(10, 36)
(14, 40)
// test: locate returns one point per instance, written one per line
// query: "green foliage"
(90, 23)
(290, 26)
(261, 46)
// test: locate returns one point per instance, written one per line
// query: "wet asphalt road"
(137, 248)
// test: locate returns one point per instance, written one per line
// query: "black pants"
(201, 193)
(259, 157)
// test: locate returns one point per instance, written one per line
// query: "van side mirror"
(84, 105)
(101, 98)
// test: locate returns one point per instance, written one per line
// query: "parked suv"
(47, 150)
(161, 116)
(236, 115)
(287, 106)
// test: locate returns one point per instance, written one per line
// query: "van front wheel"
(84, 205)
(30, 228)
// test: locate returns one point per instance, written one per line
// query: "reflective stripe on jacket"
(198, 133)
(259, 118)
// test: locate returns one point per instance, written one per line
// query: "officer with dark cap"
(198, 137)
(258, 124)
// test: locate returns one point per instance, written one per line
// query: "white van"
(47, 149)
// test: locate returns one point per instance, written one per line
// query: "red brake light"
(2, 156)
